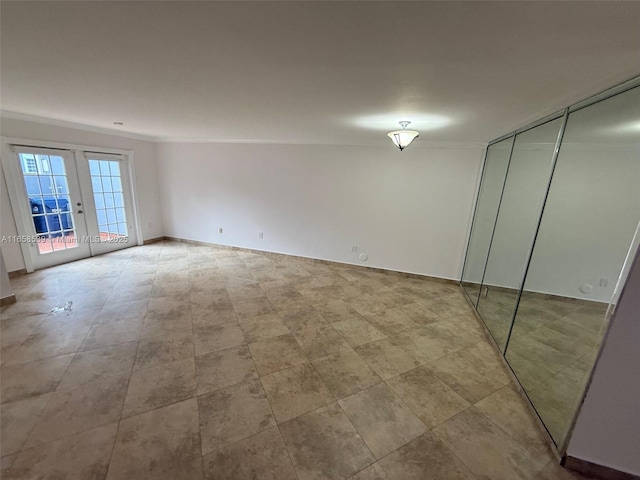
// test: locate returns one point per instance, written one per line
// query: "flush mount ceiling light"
(403, 138)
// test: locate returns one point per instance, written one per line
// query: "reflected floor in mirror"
(552, 348)
(180, 361)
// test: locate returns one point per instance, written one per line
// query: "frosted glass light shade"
(402, 138)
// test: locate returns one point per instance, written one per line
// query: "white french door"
(51, 194)
(71, 204)
(106, 188)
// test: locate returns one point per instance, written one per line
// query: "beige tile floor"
(552, 349)
(179, 361)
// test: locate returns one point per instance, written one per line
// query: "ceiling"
(311, 72)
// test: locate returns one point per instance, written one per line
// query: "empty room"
(319, 240)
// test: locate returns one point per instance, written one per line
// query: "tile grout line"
(375, 459)
(450, 450)
(548, 450)
(56, 389)
(293, 467)
(289, 281)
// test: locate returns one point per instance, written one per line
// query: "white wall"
(146, 187)
(607, 430)
(408, 211)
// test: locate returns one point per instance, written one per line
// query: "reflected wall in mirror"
(589, 219)
(519, 213)
(489, 194)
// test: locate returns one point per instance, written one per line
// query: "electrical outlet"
(220, 230)
(604, 282)
(354, 249)
(260, 235)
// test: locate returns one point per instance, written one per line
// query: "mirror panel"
(519, 213)
(590, 216)
(491, 186)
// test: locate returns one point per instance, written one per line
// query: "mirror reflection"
(492, 183)
(589, 219)
(548, 246)
(522, 200)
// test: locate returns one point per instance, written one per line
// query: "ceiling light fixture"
(119, 124)
(403, 138)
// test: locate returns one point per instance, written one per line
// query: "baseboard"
(8, 300)
(309, 260)
(153, 240)
(597, 471)
(543, 296)
(17, 273)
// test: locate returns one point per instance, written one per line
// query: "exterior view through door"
(73, 204)
(108, 191)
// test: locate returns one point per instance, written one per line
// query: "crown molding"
(424, 144)
(89, 128)
(78, 126)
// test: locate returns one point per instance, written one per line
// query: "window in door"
(45, 180)
(108, 196)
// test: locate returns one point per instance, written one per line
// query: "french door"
(72, 204)
(105, 186)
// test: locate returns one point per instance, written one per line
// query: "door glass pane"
(520, 208)
(102, 216)
(99, 199)
(108, 200)
(60, 184)
(114, 168)
(96, 184)
(104, 168)
(46, 185)
(493, 177)
(57, 165)
(589, 220)
(94, 168)
(32, 184)
(106, 184)
(28, 164)
(49, 201)
(117, 184)
(43, 164)
(105, 178)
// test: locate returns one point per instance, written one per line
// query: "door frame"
(13, 178)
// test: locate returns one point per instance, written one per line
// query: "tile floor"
(179, 361)
(552, 348)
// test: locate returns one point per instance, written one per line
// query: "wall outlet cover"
(586, 288)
